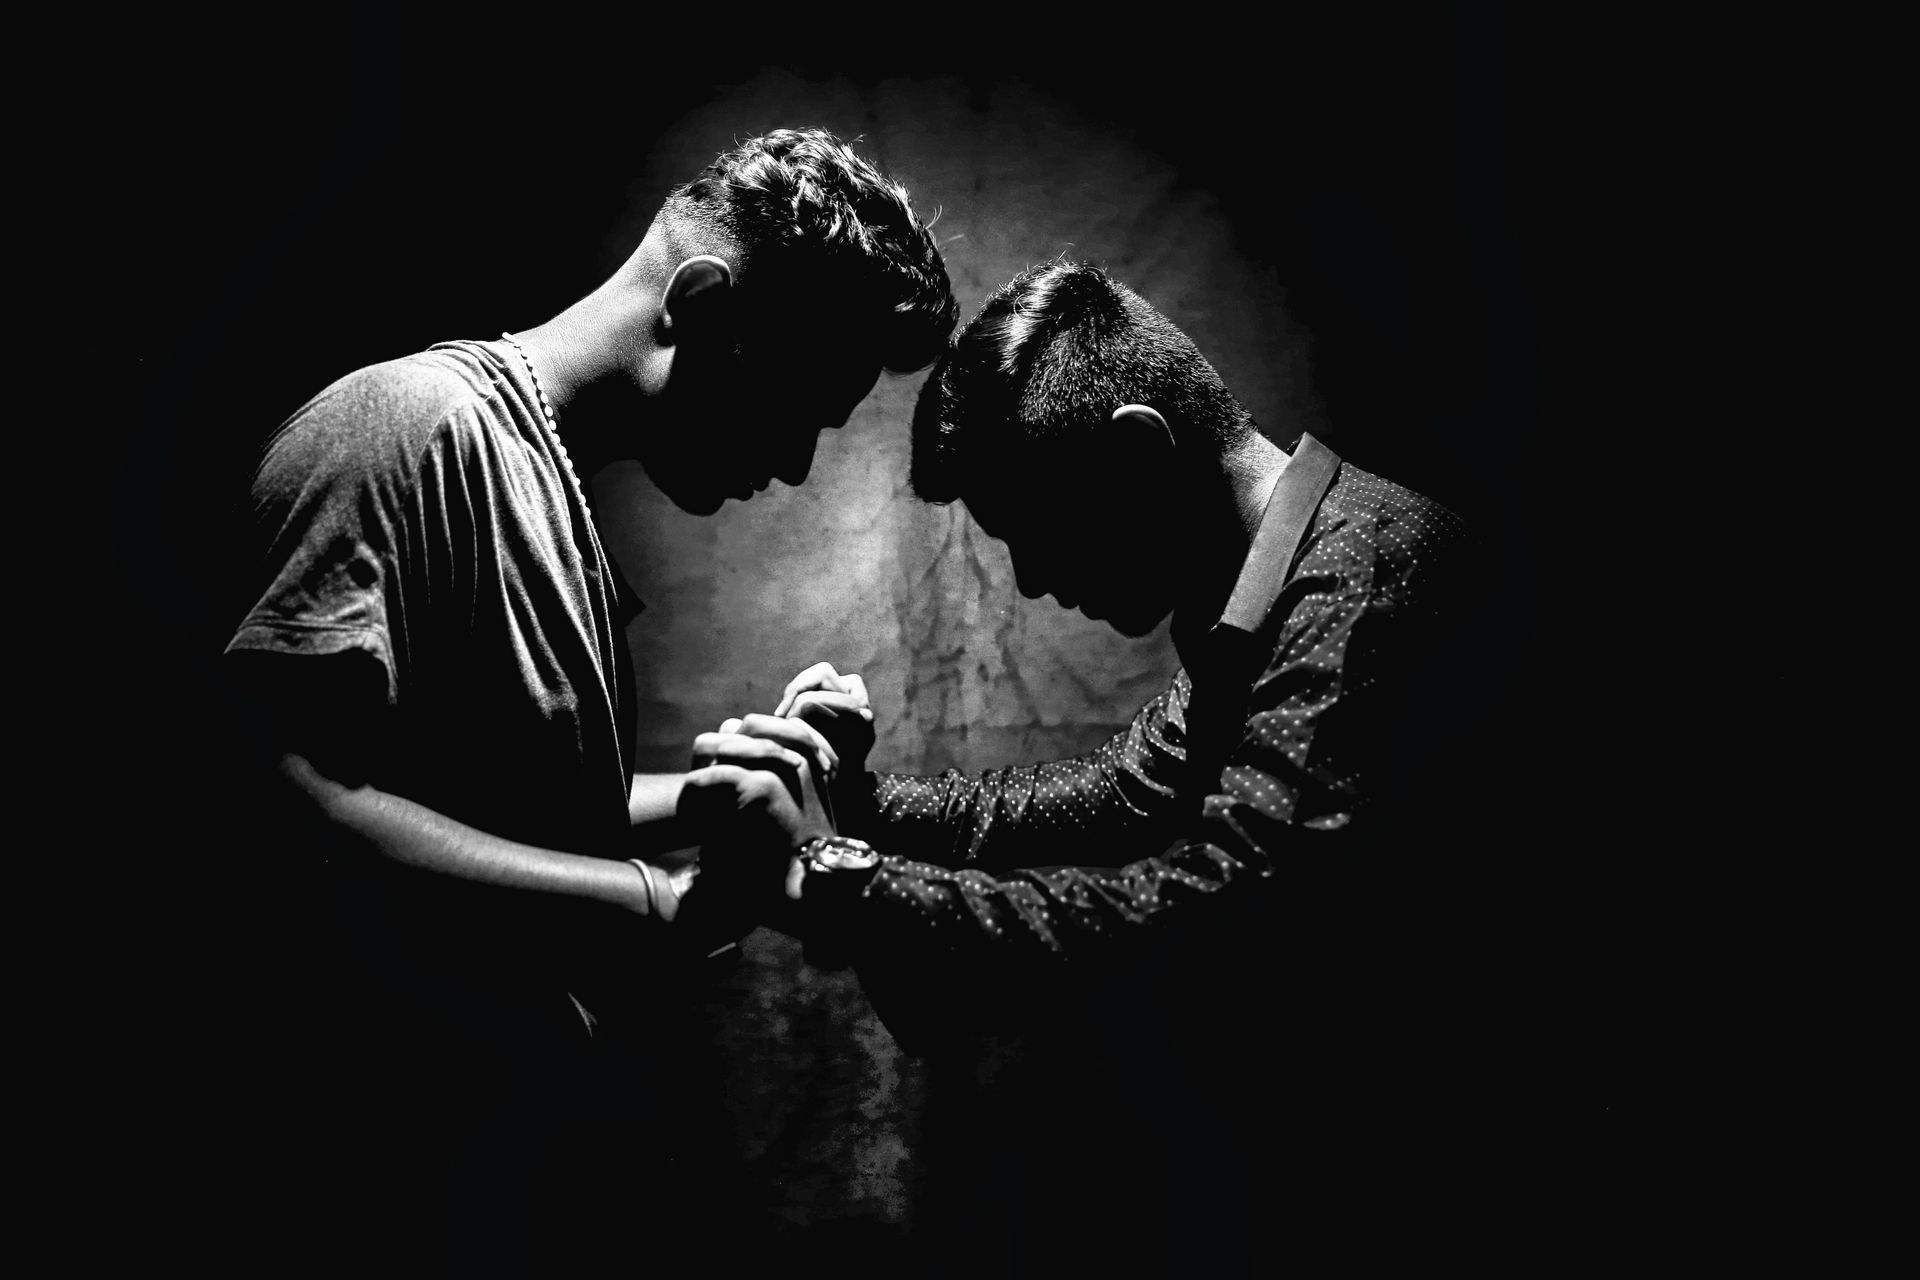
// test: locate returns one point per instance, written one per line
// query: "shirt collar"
(1283, 522)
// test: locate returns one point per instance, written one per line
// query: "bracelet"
(646, 876)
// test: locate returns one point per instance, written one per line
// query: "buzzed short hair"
(809, 214)
(1051, 355)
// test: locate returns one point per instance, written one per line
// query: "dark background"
(1393, 230)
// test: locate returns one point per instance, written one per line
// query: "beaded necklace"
(553, 426)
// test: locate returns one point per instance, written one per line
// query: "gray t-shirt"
(418, 512)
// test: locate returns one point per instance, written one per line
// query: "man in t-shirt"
(436, 650)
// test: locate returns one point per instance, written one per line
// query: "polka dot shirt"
(1073, 856)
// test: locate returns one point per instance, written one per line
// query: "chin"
(695, 502)
(1131, 625)
(699, 504)
(693, 494)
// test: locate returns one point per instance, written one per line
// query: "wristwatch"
(833, 865)
(838, 853)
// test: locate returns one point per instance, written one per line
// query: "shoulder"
(1385, 542)
(380, 420)
(1382, 508)
(1369, 521)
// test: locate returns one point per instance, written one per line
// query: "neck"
(1253, 474)
(1237, 492)
(597, 337)
(591, 357)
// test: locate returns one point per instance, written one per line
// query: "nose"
(1029, 577)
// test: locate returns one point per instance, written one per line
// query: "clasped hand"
(764, 785)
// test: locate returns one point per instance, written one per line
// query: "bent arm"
(319, 727)
(1300, 772)
(410, 834)
(1123, 795)
(915, 910)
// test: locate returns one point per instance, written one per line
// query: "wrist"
(808, 837)
(646, 903)
(672, 885)
(831, 873)
(827, 851)
(838, 858)
(661, 890)
(854, 809)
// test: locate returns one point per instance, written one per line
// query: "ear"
(1144, 426)
(697, 292)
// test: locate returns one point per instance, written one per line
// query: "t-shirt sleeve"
(325, 525)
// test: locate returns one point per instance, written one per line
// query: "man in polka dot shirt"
(1084, 430)
(1292, 650)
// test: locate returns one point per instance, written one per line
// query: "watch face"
(837, 853)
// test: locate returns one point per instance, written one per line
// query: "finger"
(796, 735)
(721, 789)
(857, 688)
(717, 748)
(705, 750)
(816, 796)
(746, 752)
(709, 792)
(824, 708)
(730, 726)
(820, 675)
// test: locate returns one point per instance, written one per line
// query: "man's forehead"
(990, 511)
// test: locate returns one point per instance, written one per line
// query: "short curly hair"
(809, 213)
(1051, 355)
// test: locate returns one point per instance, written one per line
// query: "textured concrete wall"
(849, 567)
